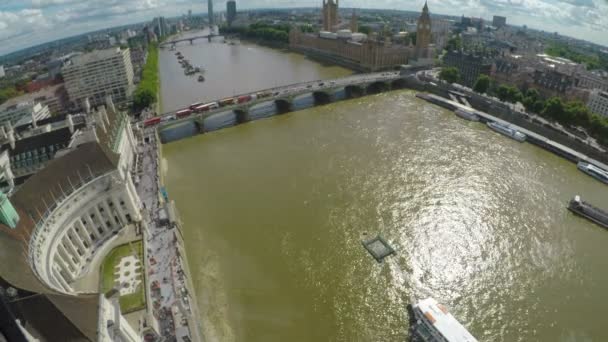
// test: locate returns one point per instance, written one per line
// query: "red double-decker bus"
(183, 113)
(152, 121)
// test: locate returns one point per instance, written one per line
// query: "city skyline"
(32, 22)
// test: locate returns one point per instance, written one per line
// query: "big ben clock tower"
(423, 33)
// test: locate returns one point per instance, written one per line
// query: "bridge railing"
(328, 83)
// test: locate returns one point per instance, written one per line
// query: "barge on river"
(588, 211)
(593, 171)
(431, 322)
(467, 114)
(508, 131)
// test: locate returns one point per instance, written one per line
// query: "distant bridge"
(189, 39)
(284, 99)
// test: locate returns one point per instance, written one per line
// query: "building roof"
(444, 322)
(94, 56)
(59, 136)
(32, 97)
(78, 119)
(42, 189)
(57, 318)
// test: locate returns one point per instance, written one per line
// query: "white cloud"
(27, 22)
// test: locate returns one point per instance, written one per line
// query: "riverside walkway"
(169, 290)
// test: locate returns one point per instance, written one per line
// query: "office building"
(22, 112)
(210, 12)
(95, 75)
(230, 11)
(470, 66)
(590, 80)
(598, 102)
(499, 21)
(2, 73)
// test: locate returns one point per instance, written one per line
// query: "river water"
(232, 70)
(275, 210)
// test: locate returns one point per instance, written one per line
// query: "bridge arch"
(321, 98)
(377, 87)
(283, 106)
(398, 84)
(242, 115)
(353, 91)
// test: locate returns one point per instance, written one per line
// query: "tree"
(449, 74)
(502, 92)
(554, 108)
(482, 84)
(143, 98)
(454, 43)
(365, 29)
(509, 93)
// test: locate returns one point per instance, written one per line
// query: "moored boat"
(588, 211)
(593, 171)
(466, 114)
(432, 322)
(508, 131)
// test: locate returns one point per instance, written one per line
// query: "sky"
(25, 23)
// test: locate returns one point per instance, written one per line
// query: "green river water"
(274, 213)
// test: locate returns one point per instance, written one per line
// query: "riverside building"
(357, 51)
(95, 75)
(59, 222)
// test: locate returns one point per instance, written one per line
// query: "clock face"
(428, 26)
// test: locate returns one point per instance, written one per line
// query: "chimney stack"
(110, 105)
(11, 138)
(100, 116)
(70, 123)
(34, 124)
(87, 106)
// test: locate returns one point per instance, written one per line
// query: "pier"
(531, 137)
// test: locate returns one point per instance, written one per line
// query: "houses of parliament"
(353, 50)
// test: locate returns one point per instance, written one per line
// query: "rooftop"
(38, 96)
(445, 323)
(94, 56)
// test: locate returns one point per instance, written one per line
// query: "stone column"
(71, 246)
(61, 264)
(76, 237)
(57, 275)
(108, 211)
(92, 226)
(119, 209)
(67, 259)
(84, 232)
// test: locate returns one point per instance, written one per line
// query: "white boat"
(508, 131)
(433, 323)
(466, 114)
(593, 171)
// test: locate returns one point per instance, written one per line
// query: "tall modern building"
(598, 102)
(210, 12)
(330, 15)
(498, 21)
(230, 11)
(95, 75)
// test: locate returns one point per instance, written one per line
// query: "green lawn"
(132, 302)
